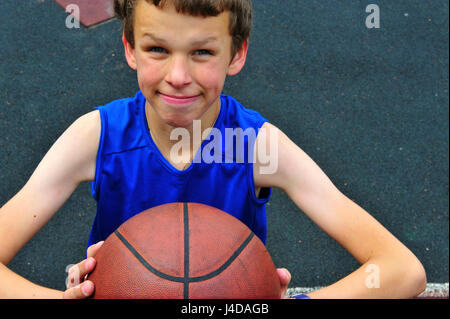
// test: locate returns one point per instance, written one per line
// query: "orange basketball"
(184, 250)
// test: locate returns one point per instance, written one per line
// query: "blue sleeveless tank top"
(132, 175)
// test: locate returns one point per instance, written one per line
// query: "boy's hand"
(77, 274)
(285, 279)
(77, 287)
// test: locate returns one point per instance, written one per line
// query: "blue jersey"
(132, 175)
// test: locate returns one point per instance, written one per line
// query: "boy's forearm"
(14, 286)
(376, 279)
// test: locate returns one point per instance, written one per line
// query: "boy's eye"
(160, 50)
(203, 52)
(157, 50)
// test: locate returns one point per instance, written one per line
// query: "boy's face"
(181, 61)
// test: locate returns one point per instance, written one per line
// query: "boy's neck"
(161, 131)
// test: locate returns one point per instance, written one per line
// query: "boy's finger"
(285, 276)
(92, 250)
(285, 279)
(79, 271)
(81, 291)
(86, 266)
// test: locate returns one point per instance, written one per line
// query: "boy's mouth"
(178, 99)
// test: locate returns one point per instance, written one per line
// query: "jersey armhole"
(98, 164)
(265, 192)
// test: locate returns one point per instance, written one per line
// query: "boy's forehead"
(152, 19)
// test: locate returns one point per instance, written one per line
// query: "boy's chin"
(179, 122)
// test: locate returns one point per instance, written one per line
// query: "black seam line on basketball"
(182, 279)
(186, 250)
(226, 264)
(144, 262)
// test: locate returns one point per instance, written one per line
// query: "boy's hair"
(241, 14)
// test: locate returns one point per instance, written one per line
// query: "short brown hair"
(241, 14)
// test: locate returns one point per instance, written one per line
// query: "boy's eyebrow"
(154, 37)
(201, 42)
(195, 42)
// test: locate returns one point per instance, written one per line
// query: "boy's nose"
(178, 74)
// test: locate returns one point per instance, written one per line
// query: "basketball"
(184, 250)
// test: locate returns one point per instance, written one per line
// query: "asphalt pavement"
(369, 105)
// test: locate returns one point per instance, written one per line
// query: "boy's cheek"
(211, 79)
(148, 76)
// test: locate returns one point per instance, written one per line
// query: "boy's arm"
(401, 275)
(70, 161)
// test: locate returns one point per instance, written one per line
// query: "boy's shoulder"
(123, 125)
(232, 103)
(120, 104)
(236, 114)
(123, 113)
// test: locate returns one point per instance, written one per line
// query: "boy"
(182, 51)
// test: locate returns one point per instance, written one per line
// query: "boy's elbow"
(417, 278)
(421, 279)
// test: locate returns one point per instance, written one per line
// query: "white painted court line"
(439, 290)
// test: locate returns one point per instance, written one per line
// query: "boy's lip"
(178, 99)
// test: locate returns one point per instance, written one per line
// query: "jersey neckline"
(153, 145)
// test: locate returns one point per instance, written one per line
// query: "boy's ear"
(239, 58)
(129, 52)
